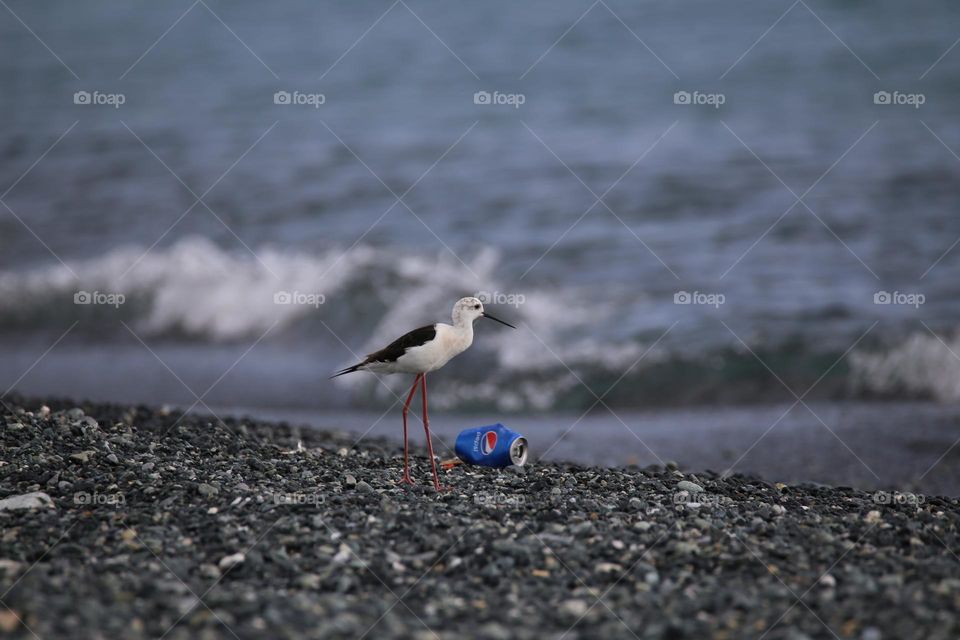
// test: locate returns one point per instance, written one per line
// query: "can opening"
(518, 451)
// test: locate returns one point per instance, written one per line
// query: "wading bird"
(421, 351)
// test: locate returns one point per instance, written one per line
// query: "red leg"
(426, 428)
(406, 406)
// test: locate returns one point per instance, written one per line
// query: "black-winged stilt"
(421, 351)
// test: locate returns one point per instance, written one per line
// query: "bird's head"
(466, 310)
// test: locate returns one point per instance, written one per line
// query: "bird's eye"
(476, 306)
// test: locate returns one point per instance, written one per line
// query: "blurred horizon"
(677, 204)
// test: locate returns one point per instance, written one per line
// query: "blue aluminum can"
(492, 446)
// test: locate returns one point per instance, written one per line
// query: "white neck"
(462, 325)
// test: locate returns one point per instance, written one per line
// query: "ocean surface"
(250, 197)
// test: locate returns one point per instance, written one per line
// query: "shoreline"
(885, 446)
(160, 523)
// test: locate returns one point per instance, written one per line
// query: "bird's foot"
(440, 488)
(406, 479)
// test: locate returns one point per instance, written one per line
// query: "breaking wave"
(922, 366)
(575, 344)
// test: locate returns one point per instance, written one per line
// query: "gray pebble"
(207, 490)
(692, 487)
(34, 500)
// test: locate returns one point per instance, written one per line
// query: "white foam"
(921, 365)
(193, 286)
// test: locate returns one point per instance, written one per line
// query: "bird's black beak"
(487, 315)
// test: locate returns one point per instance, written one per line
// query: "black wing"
(393, 351)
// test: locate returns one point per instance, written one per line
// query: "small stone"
(364, 486)
(692, 487)
(113, 458)
(147, 467)
(343, 554)
(873, 517)
(9, 621)
(82, 456)
(495, 631)
(34, 500)
(9, 567)
(871, 633)
(228, 562)
(75, 414)
(309, 581)
(574, 608)
(672, 466)
(828, 581)
(207, 490)
(685, 548)
(350, 481)
(608, 567)
(209, 571)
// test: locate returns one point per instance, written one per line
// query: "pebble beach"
(138, 522)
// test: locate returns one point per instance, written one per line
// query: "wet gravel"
(159, 525)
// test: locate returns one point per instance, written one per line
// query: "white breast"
(448, 342)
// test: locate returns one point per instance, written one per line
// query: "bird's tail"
(355, 367)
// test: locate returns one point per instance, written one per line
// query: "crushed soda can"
(492, 446)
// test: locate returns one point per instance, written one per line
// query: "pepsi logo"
(488, 443)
